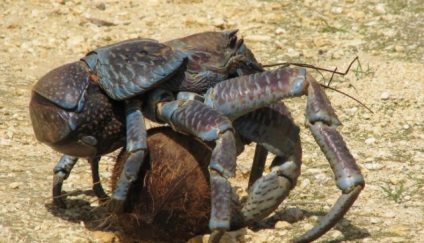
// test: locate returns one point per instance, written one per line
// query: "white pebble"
(337, 10)
(258, 38)
(14, 185)
(370, 140)
(385, 95)
(374, 221)
(380, 8)
(280, 31)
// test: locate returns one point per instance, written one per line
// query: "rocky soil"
(388, 144)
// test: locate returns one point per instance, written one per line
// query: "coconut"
(170, 202)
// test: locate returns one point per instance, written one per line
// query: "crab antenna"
(332, 76)
(286, 64)
(311, 66)
(343, 93)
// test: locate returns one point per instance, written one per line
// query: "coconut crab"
(210, 90)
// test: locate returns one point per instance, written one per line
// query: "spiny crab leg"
(239, 96)
(195, 118)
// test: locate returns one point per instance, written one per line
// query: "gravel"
(387, 36)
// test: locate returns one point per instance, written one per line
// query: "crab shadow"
(78, 210)
(349, 231)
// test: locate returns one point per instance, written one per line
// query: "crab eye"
(233, 42)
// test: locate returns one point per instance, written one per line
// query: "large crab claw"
(237, 97)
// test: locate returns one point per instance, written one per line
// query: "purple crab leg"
(322, 123)
(61, 172)
(274, 130)
(197, 119)
(97, 185)
(258, 164)
(137, 148)
(63, 169)
(239, 96)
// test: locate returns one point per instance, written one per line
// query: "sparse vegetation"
(395, 193)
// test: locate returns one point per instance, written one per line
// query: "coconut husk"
(171, 200)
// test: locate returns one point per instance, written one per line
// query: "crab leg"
(274, 130)
(197, 119)
(137, 147)
(322, 123)
(239, 96)
(61, 172)
(97, 186)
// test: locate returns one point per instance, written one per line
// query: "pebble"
(283, 225)
(219, 23)
(370, 140)
(337, 10)
(337, 54)
(399, 48)
(304, 184)
(280, 31)
(374, 166)
(385, 95)
(14, 185)
(295, 214)
(307, 226)
(389, 214)
(336, 234)
(380, 8)
(258, 38)
(104, 236)
(374, 220)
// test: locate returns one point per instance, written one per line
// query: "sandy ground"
(387, 36)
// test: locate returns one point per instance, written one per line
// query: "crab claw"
(336, 213)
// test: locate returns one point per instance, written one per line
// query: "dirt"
(387, 36)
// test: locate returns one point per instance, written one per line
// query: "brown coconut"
(171, 200)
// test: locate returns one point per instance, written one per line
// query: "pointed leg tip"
(116, 205)
(59, 202)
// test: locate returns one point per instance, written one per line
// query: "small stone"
(337, 10)
(370, 140)
(320, 42)
(307, 226)
(385, 95)
(380, 8)
(294, 214)
(14, 185)
(374, 166)
(219, 23)
(283, 225)
(258, 38)
(336, 234)
(337, 54)
(104, 236)
(395, 180)
(406, 127)
(101, 6)
(280, 44)
(399, 48)
(389, 214)
(374, 221)
(304, 183)
(280, 31)
(292, 52)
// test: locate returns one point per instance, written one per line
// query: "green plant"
(331, 29)
(361, 73)
(394, 194)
